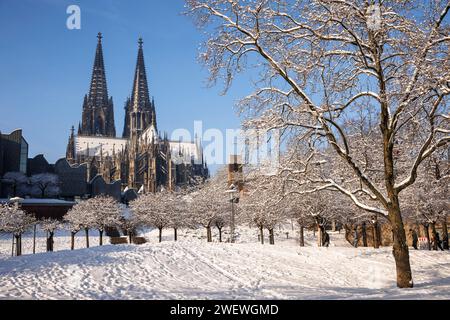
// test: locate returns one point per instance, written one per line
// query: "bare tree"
(74, 223)
(131, 222)
(16, 221)
(17, 181)
(45, 185)
(81, 217)
(106, 214)
(153, 209)
(177, 206)
(49, 226)
(262, 203)
(322, 60)
(209, 201)
(221, 222)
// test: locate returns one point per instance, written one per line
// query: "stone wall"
(98, 187)
(73, 179)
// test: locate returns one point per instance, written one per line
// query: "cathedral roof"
(99, 146)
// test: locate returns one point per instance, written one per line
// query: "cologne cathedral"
(141, 159)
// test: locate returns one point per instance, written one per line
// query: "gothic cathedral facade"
(141, 159)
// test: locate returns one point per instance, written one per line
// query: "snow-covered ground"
(194, 269)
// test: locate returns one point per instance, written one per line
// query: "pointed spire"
(154, 120)
(70, 152)
(127, 124)
(138, 114)
(140, 98)
(98, 108)
(98, 93)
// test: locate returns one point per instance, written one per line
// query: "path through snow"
(193, 269)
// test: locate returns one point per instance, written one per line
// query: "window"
(23, 156)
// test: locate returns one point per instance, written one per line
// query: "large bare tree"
(321, 63)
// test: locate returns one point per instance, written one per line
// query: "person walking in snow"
(326, 239)
(415, 238)
(438, 241)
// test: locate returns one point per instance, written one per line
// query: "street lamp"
(232, 191)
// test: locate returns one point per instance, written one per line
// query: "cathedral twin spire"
(139, 110)
(98, 107)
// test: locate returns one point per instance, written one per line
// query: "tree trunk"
(18, 246)
(50, 241)
(220, 234)
(12, 246)
(175, 234)
(302, 236)
(433, 235)
(376, 239)
(271, 237)
(400, 248)
(100, 240)
(261, 234)
(130, 237)
(87, 237)
(319, 236)
(445, 245)
(72, 240)
(427, 234)
(208, 234)
(34, 239)
(364, 234)
(333, 226)
(160, 234)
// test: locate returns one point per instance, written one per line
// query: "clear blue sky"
(45, 68)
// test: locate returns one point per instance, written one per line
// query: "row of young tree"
(96, 213)
(43, 185)
(272, 198)
(162, 210)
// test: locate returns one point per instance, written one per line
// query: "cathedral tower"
(98, 108)
(141, 159)
(139, 110)
(71, 151)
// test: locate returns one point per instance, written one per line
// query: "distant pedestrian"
(415, 238)
(326, 239)
(438, 241)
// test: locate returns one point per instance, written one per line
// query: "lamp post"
(376, 240)
(232, 191)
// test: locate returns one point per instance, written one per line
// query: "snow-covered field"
(194, 269)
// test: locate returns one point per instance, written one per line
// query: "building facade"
(13, 153)
(141, 159)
